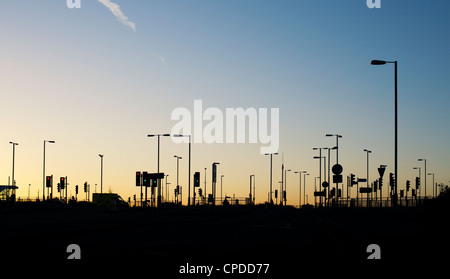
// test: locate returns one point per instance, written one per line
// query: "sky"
(98, 79)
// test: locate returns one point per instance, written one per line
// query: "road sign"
(319, 194)
(337, 178)
(381, 171)
(363, 190)
(337, 169)
(325, 184)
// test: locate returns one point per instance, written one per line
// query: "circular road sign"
(337, 169)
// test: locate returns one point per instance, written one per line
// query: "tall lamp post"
(304, 186)
(189, 171)
(101, 173)
(271, 200)
(320, 169)
(214, 178)
(284, 193)
(382, 62)
(43, 184)
(178, 158)
(367, 151)
(159, 183)
(14, 147)
(425, 171)
(432, 173)
(221, 200)
(300, 188)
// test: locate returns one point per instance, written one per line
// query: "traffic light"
(58, 187)
(48, 182)
(417, 182)
(276, 194)
(145, 179)
(380, 183)
(391, 179)
(154, 182)
(76, 189)
(352, 179)
(200, 192)
(85, 187)
(196, 179)
(138, 178)
(408, 185)
(62, 183)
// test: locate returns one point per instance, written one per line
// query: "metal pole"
(396, 136)
(189, 183)
(43, 184)
(271, 200)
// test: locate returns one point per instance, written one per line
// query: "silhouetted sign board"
(337, 169)
(381, 171)
(337, 178)
(325, 184)
(319, 194)
(158, 175)
(364, 190)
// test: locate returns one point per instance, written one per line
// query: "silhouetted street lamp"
(337, 145)
(14, 147)
(425, 171)
(101, 173)
(159, 185)
(432, 173)
(382, 62)
(304, 185)
(367, 151)
(178, 158)
(320, 169)
(189, 171)
(271, 200)
(43, 185)
(300, 188)
(285, 189)
(214, 173)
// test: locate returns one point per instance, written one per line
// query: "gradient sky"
(96, 84)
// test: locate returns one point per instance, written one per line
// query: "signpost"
(337, 178)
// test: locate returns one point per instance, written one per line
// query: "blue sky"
(94, 85)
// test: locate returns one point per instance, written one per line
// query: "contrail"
(115, 9)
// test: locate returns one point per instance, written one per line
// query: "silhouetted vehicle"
(108, 199)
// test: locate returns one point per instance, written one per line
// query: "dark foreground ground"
(165, 239)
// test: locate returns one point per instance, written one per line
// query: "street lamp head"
(150, 136)
(288, 170)
(430, 173)
(317, 157)
(416, 168)
(215, 163)
(100, 155)
(51, 141)
(378, 62)
(420, 159)
(165, 135)
(366, 150)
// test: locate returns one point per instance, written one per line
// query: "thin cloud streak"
(117, 12)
